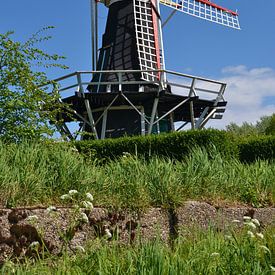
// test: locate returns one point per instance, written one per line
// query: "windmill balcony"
(169, 101)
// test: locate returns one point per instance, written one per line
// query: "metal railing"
(182, 84)
(185, 85)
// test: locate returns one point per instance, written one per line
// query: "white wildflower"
(246, 218)
(251, 225)
(256, 222)
(272, 268)
(32, 218)
(88, 205)
(266, 249)
(65, 197)
(73, 192)
(236, 221)
(80, 248)
(215, 254)
(250, 234)
(108, 233)
(51, 209)
(84, 218)
(34, 245)
(89, 197)
(260, 235)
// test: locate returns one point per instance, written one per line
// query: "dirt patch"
(22, 229)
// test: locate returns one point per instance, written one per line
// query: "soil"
(22, 228)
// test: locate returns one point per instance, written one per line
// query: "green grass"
(198, 252)
(32, 174)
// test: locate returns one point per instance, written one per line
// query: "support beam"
(192, 88)
(106, 110)
(172, 110)
(192, 115)
(135, 108)
(201, 118)
(90, 115)
(182, 126)
(153, 115)
(104, 123)
(94, 32)
(142, 120)
(207, 118)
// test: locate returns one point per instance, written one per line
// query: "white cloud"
(247, 93)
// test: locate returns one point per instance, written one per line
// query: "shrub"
(173, 145)
(252, 149)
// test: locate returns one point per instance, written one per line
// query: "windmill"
(129, 91)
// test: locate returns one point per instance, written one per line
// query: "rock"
(266, 216)
(228, 216)
(17, 215)
(194, 213)
(5, 253)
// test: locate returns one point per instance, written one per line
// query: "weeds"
(32, 174)
(203, 252)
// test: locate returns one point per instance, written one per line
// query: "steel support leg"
(201, 118)
(192, 115)
(153, 115)
(90, 115)
(104, 123)
(172, 110)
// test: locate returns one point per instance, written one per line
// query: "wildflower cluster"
(80, 204)
(81, 207)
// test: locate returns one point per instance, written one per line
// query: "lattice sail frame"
(206, 10)
(149, 41)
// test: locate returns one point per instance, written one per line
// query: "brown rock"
(17, 215)
(194, 213)
(227, 216)
(266, 216)
(154, 224)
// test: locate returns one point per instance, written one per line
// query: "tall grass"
(205, 252)
(32, 174)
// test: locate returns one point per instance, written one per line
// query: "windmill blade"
(206, 10)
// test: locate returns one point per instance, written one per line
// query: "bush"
(173, 145)
(257, 148)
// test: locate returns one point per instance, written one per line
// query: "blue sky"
(244, 59)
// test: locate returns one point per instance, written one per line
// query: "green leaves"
(23, 111)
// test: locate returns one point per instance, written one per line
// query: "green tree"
(246, 129)
(264, 126)
(25, 105)
(270, 129)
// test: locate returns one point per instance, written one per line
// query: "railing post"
(120, 82)
(79, 82)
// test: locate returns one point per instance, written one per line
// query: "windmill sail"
(206, 10)
(131, 42)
